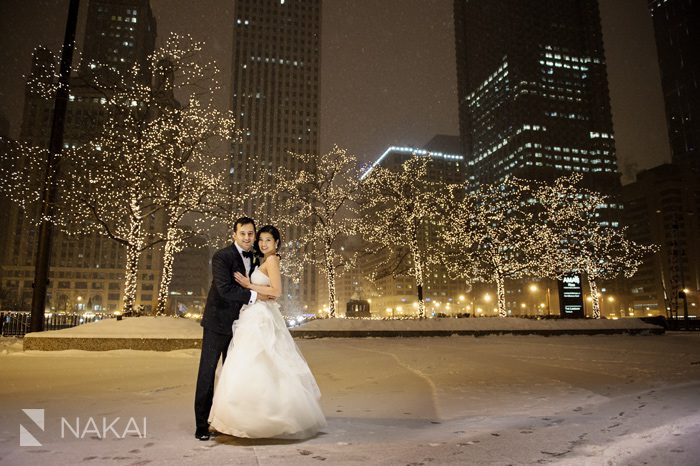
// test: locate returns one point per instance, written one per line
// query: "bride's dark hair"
(275, 235)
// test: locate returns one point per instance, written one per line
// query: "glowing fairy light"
(494, 234)
(402, 211)
(587, 245)
(147, 166)
(321, 193)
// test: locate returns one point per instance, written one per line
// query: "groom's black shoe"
(202, 433)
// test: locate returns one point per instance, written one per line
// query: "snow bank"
(136, 333)
(169, 333)
(130, 327)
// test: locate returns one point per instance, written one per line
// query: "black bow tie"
(248, 254)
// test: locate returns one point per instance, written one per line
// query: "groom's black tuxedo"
(224, 302)
(226, 296)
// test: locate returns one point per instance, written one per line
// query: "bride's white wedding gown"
(265, 388)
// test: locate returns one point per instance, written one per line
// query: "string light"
(494, 234)
(321, 193)
(150, 164)
(585, 244)
(402, 210)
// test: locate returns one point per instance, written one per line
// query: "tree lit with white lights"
(495, 233)
(586, 243)
(404, 210)
(323, 196)
(158, 157)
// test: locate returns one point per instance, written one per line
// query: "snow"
(131, 327)
(171, 327)
(480, 323)
(606, 399)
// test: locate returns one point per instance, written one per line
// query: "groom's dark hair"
(243, 221)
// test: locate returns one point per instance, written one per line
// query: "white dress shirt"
(247, 263)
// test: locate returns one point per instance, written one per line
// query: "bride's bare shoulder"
(272, 261)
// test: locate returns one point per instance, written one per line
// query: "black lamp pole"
(48, 197)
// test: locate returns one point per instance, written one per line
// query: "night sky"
(388, 68)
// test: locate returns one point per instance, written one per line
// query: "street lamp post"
(49, 190)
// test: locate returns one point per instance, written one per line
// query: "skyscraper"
(276, 89)
(677, 30)
(533, 99)
(661, 207)
(118, 34)
(533, 91)
(86, 271)
(276, 95)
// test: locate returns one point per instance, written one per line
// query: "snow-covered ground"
(501, 400)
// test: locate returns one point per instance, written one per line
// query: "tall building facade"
(118, 34)
(533, 91)
(276, 98)
(677, 30)
(87, 271)
(533, 99)
(663, 207)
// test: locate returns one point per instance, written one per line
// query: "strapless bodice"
(259, 278)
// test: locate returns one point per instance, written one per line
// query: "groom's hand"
(242, 280)
(265, 297)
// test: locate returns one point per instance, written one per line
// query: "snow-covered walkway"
(395, 401)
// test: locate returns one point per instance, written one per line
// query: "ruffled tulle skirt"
(265, 388)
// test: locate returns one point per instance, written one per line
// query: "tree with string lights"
(110, 186)
(190, 147)
(403, 210)
(23, 165)
(495, 233)
(153, 163)
(21, 171)
(586, 244)
(323, 196)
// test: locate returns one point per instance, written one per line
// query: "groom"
(224, 302)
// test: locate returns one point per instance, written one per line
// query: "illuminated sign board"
(571, 296)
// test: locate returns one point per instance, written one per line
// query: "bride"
(265, 388)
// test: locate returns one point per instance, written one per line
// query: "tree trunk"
(595, 297)
(501, 295)
(130, 277)
(418, 275)
(170, 249)
(133, 251)
(330, 274)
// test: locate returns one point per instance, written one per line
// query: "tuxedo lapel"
(238, 264)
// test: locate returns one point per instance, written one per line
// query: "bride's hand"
(242, 279)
